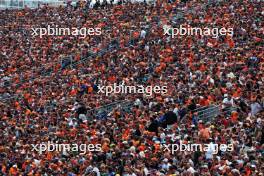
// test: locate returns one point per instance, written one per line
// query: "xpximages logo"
(139, 89)
(214, 32)
(51, 147)
(59, 31)
(181, 147)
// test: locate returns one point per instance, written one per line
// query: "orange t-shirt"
(204, 133)
(13, 171)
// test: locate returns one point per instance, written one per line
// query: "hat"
(204, 166)
(166, 160)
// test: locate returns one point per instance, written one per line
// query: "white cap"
(165, 160)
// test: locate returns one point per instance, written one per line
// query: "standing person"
(154, 125)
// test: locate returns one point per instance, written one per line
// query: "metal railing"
(209, 113)
(20, 4)
(103, 111)
(111, 46)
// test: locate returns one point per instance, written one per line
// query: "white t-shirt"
(227, 101)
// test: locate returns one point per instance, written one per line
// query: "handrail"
(211, 111)
(82, 60)
(103, 110)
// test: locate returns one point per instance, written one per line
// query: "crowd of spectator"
(48, 84)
